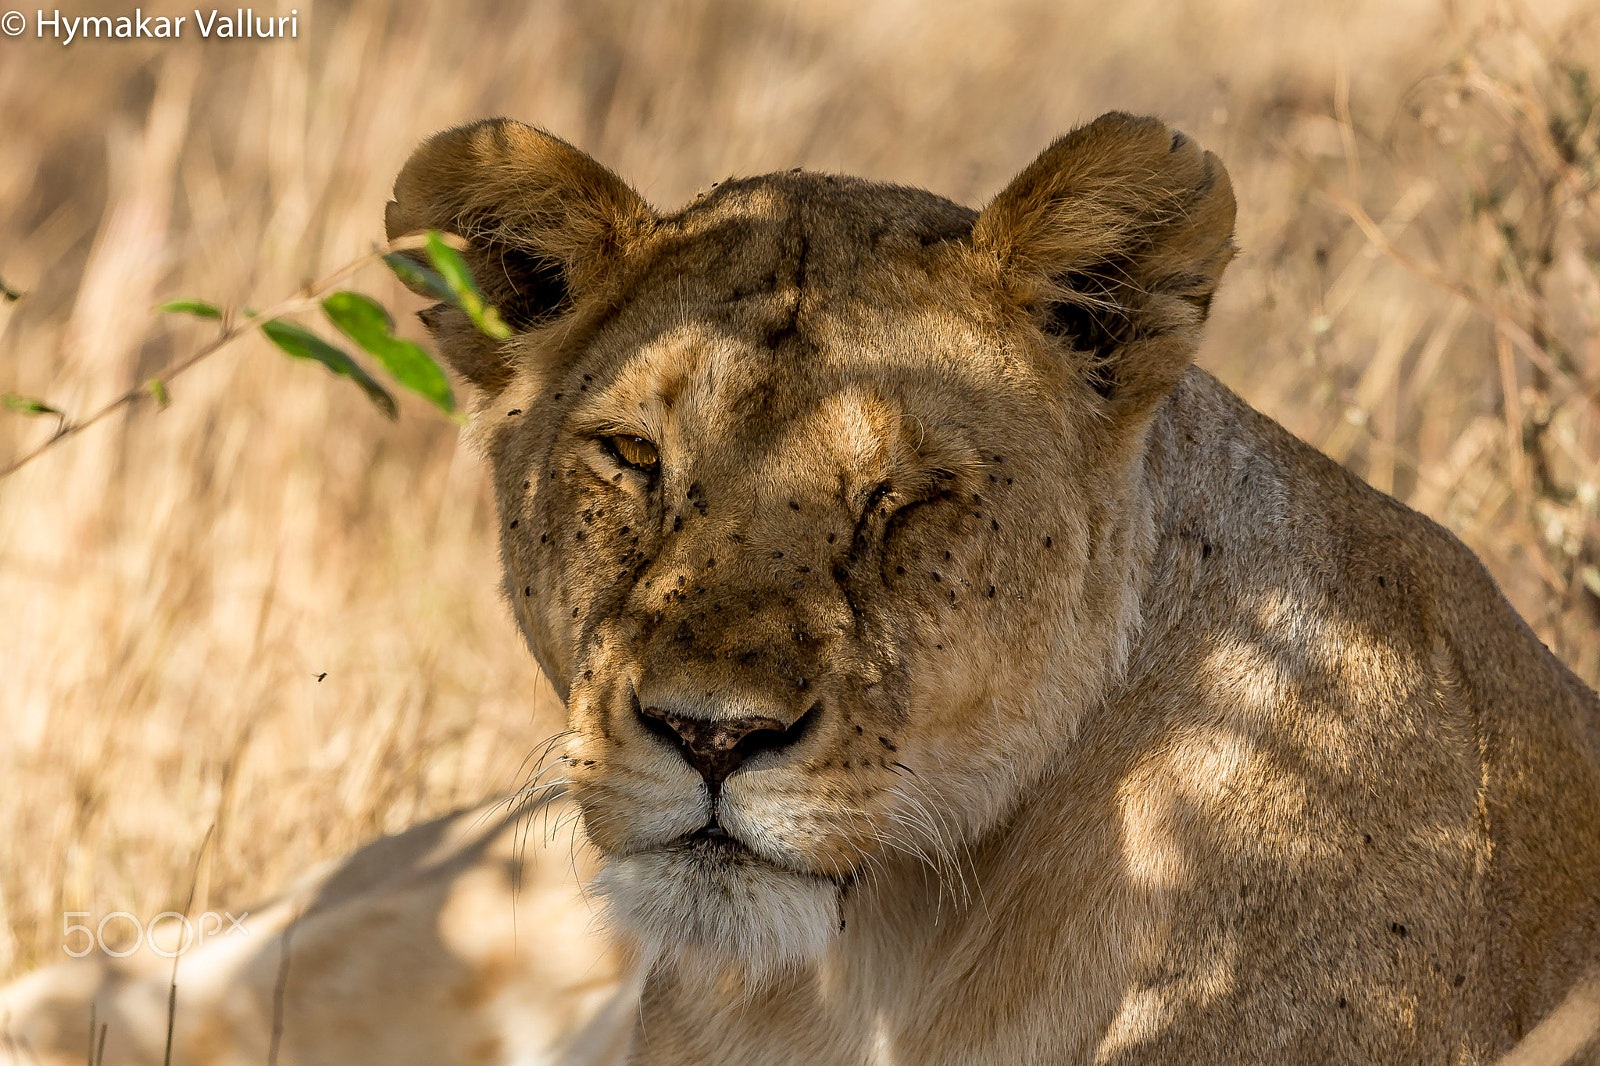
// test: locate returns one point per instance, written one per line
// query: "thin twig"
(280, 989)
(307, 297)
(172, 987)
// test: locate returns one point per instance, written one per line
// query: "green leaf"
(158, 391)
(464, 290)
(365, 321)
(303, 344)
(448, 262)
(197, 308)
(27, 405)
(8, 294)
(417, 276)
(450, 280)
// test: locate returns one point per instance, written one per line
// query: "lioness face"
(777, 521)
(817, 496)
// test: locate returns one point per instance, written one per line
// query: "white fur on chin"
(706, 910)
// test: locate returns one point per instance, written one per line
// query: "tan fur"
(1143, 732)
(1124, 727)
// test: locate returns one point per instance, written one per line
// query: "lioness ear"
(1116, 237)
(542, 221)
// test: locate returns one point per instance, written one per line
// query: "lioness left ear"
(1115, 238)
(542, 220)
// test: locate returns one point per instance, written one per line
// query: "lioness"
(956, 674)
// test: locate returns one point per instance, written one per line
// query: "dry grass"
(1416, 294)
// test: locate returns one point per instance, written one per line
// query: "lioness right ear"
(542, 221)
(1115, 239)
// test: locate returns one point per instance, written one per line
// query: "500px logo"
(189, 933)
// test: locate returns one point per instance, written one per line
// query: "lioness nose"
(718, 746)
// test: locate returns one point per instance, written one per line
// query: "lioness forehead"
(829, 267)
(837, 217)
(777, 306)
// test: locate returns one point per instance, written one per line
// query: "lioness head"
(819, 497)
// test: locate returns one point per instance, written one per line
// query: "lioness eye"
(633, 451)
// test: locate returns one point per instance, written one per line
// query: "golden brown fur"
(1106, 721)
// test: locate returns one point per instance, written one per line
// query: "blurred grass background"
(1416, 294)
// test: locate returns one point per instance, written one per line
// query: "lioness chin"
(955, 673)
